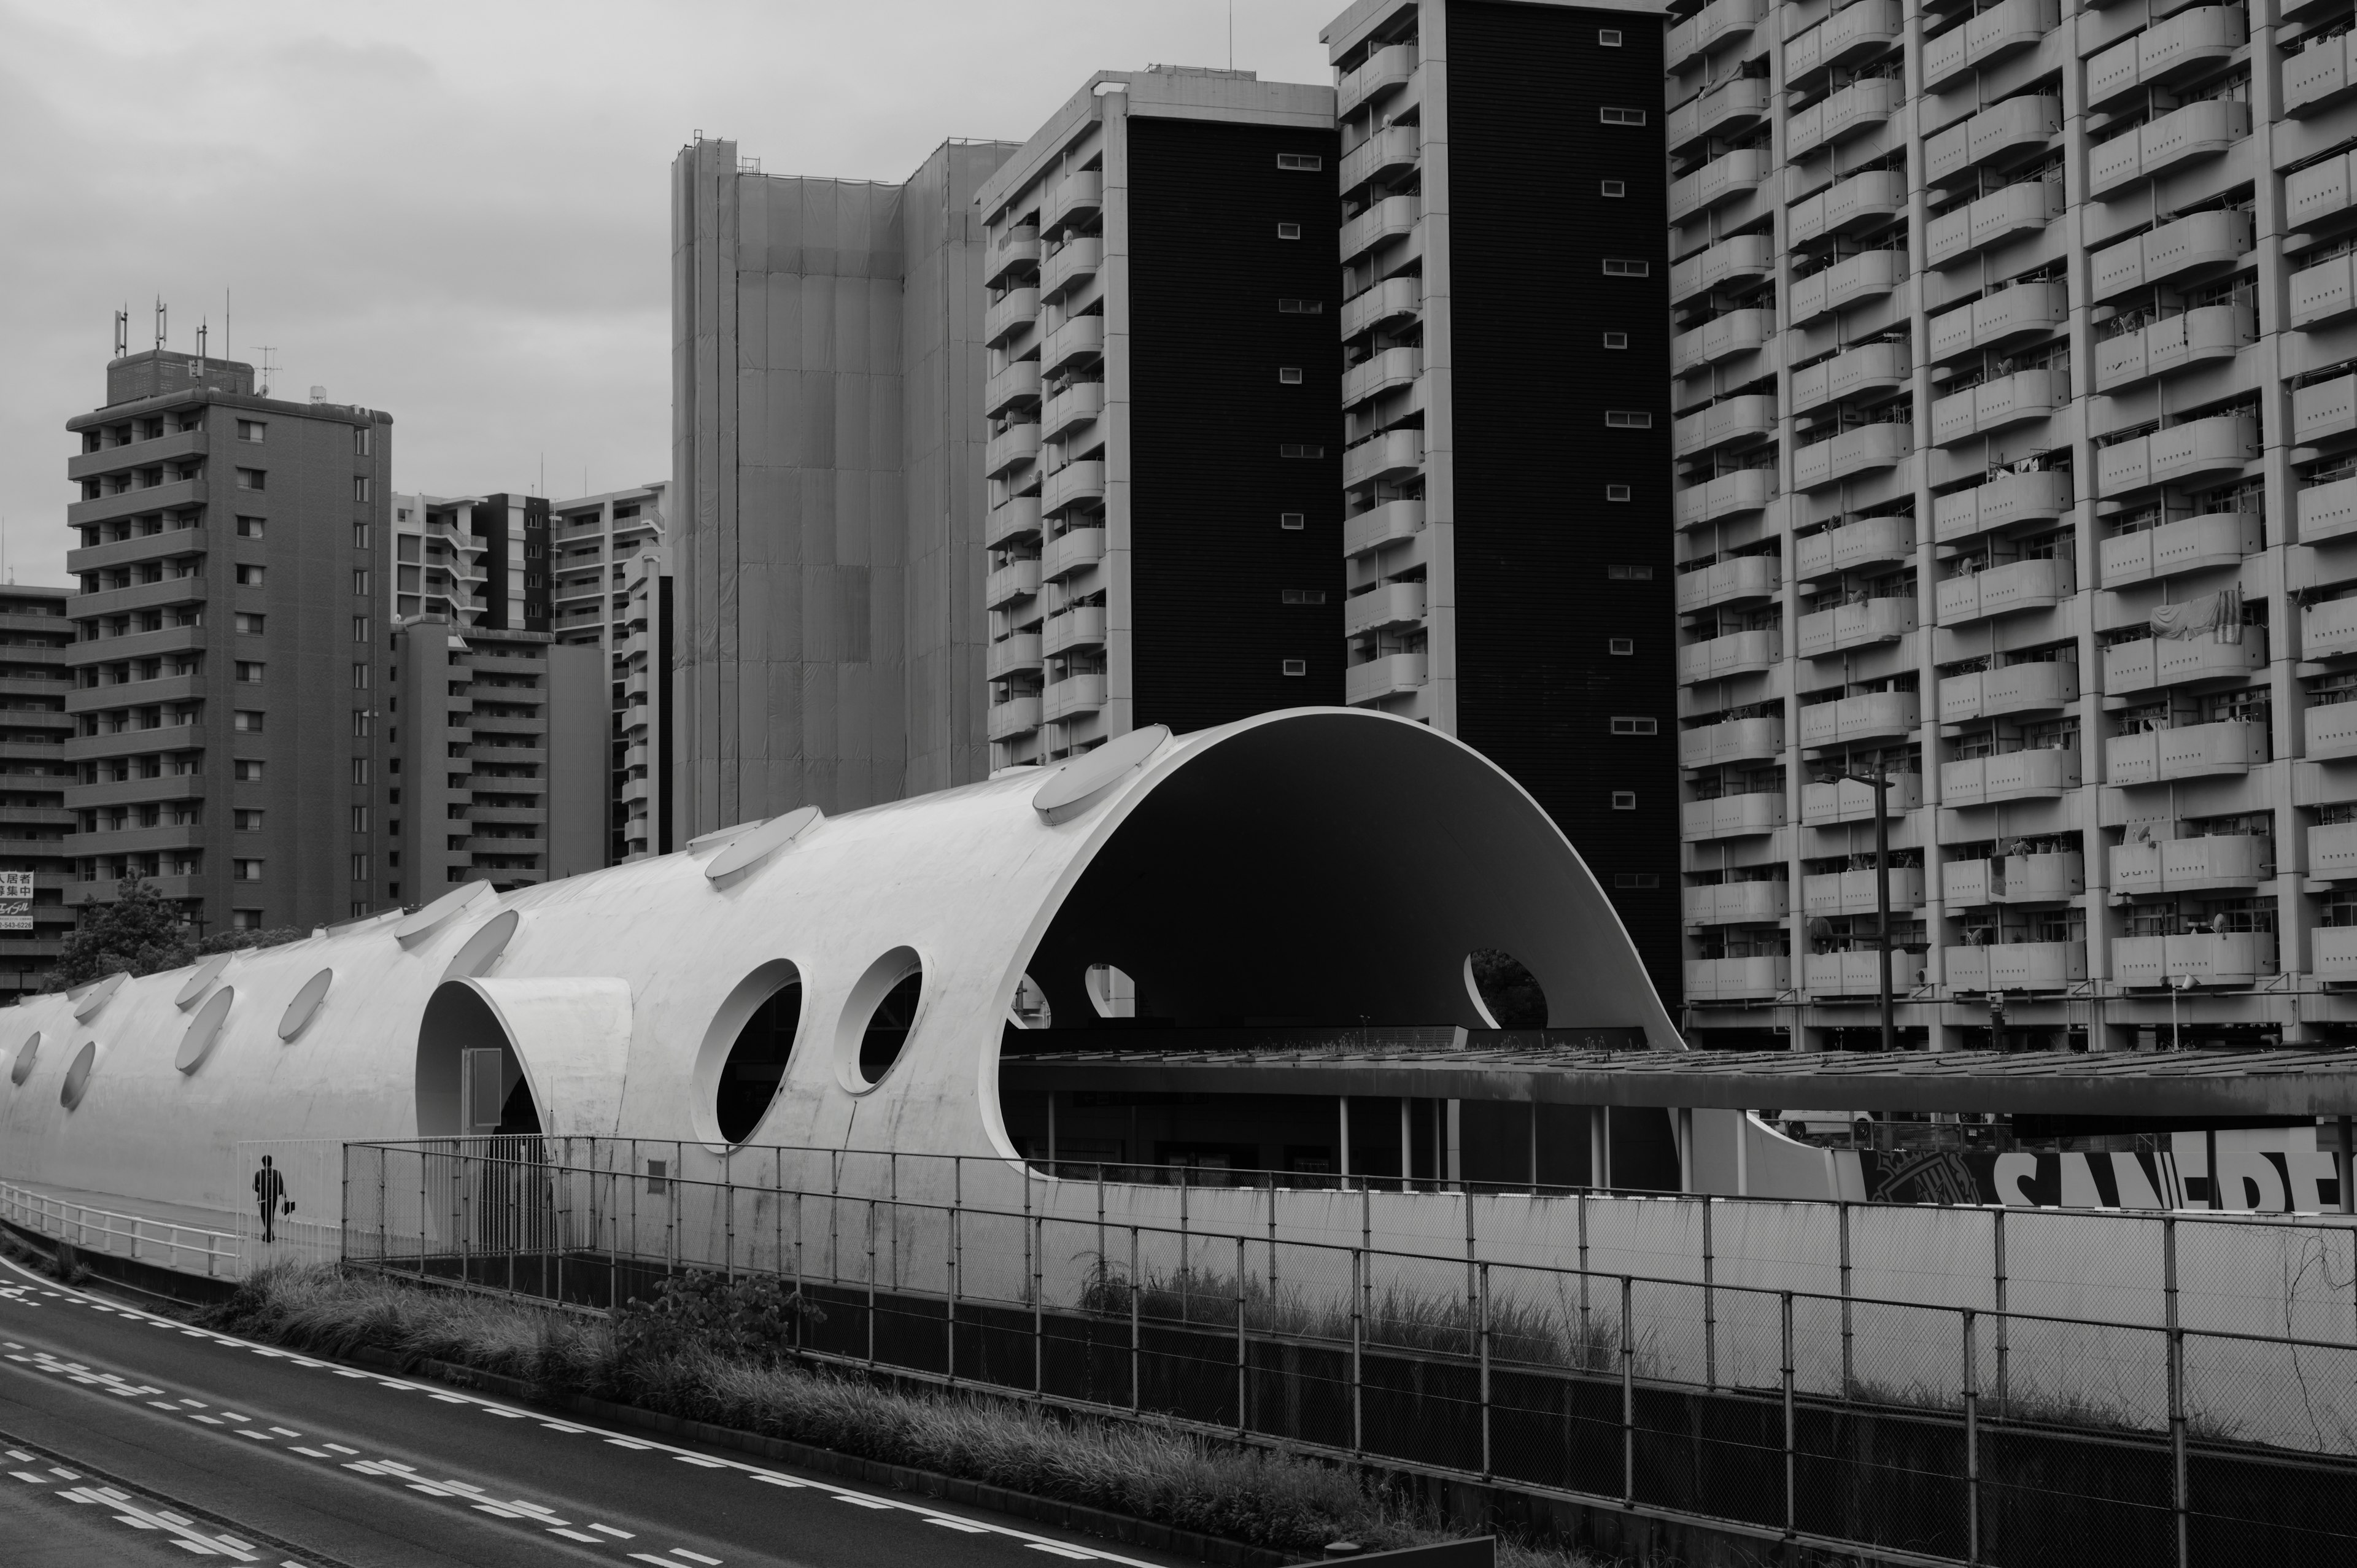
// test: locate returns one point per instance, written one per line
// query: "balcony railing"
(2155, 662)
(1016, 308)
(2321, 75)
(1015, 716)
(1860, 204)
(1010, 448)
(1388, 219)
(2009, 775)
(1998, 403)
(1870, 448)
(1386, 71)
(2186, 751)
(2326, 511)
(1394, 299)
(2202, 242)
(2014, 128)
(2329, 630)
(1384, 524)
(1854, 892)
(1010, 654)
(2016, 966)
(2027, 310)
(1074, 484)
(1860, 106)
(2015, 879)
(1744, 258)
(1015, 517)
(1071, 695)
(2000, 503)
(2044, 685)
(2164, 145)
(1732, 740)
(2190, 337)
(2003, 29)
(1870, 542)
(2332, 850)
(1720, 337)
(1717, 22)
(2002, 590)
(1873, 716)
(1390, 455)
(1736, 903)
(1870, 275)
(2189, 41)
(1853, 34)
(1078, 340)
(2332, 951)
(1868, 368)
(1388, 154)
(1384, 606)
(1072, 408)
(1071, 551)
(1075, 199)
(1846, 800)
(1382, 372)
(1070, 264)
(1728, 582)
(2324, 409)
(2188, 544)
(1756, 979)
(1734, 105)
(2188, 865)
(1723, 179)
(1846, 627)
(2006, 214)
(2331, 729)
(1732, 423)
(1739, 816)
(1729, 495)
(1386, 675)
(2221, 444)
(1017, 383)
(2232, 958)
(1737, 653)
(2326, 293)
(1860, 974)
(1083, 626)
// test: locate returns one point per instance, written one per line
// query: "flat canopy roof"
(2065, 1083)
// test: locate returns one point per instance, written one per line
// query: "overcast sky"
(457, 213)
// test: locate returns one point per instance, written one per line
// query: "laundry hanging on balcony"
(2219, 613)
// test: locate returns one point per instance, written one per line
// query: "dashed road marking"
(1054, 1550)
(617, 1534)
(857, 1501)
(699, 1459)
(694, 1556)
(961, 1525)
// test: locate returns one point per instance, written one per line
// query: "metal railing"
(188, 1248)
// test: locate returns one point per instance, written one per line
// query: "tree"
(144, 934)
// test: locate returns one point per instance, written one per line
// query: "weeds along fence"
(1856, 1422)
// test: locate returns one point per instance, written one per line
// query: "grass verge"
(661, 1362)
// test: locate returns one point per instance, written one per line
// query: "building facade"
(827, 493)
(1506, 475)
(1165, 451)
(35, 681)
(2016, 462)
(232, 552)
(594, 551)
(644, 659)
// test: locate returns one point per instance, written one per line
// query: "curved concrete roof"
(1314, 865)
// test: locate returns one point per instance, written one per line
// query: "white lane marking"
(285, 1432)
(447, 1399)
(349, 1372)
(651, 1557)
(629, 1443)
(559, 1426)
(699, 1460)
(860, 1501)
(1053, 1550)
(257, 1437)
(27, 1477)
(960, 1525)
(209, 1421)
(194, 1404)
(575, 1535)
(617, 1534)
(341, 1448)
(775, 1480)
(494, 1509)
(494, 1410)
(313, 1453)
(694, 1556)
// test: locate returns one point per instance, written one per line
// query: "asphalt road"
(130, 1437)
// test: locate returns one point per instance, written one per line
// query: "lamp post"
(1879, 782)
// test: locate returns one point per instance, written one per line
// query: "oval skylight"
(1073, 786)
(483, 949)
(207, 973)
(204, 1028)
(751, 848)
(306, 1001)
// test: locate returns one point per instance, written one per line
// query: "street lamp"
(1879, 782)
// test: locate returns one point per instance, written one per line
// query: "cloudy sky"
(456, 212)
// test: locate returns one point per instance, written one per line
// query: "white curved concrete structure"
(1320, 865)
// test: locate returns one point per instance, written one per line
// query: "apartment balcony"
(1015, 716)
(1386, 71)
(1070, 265)
(114, 743)
(1869, 274)
(2026, 310)
(169, 497)
(1393, 455)
(1729, 107)
(1860, 974)
(116, 694)
(1860, 106)
(1072, 696)
(2038, 687)
(2034, 584)
(1729, 425)
(1869, 449)
(2329, 630)
(1016, 580)
(1071, 551)
(1734, 740)
(1013, 655)
(2200, 243)
(2014, 879)
(2186, 751)
(2189, 42)
(1851, 35)
(2221, 443)
(2000, 503)
(2164, 145)
(2015, 966)
(1870, 542)
(1723, 179)
(1732, 816)
(1386, 676)
(2235, 960)
(1010, 449)
(2325, 511)
(1074, 484)
(1010, 312)
(1720, 337)
(1016, 386)
(1743, 261)
(1076, 199)
(2009, 776)
(1389, 523)
(1080, 626)
(2323, 74)
(1997, 404)
(2332, 950)
(2324, 294)
(1392, 302)
(1737, 653)
(2332, 851)
(1846, 800)
(2006, 132)
(1854, 892)
(1756, 979)
(1387, 370)
(1849, 721)
(1017, 250)
(2153, 663)
(1387, 155)
(1763, 902)
(1078, 341)
(2005, 28)
(1015, 517)
(104, 891)
(2331, 729)
(1729, 495)
(2190, 866)
(2322, 409)
(2003, 215)
(1076, 405)
(152, 452)
(1824, 633)
(1730, 582)
(1391, 218)
(1716, 24)
(1385, 605)
(2190, 337)
(185, 590)
(1868, 369)
(1859, 204)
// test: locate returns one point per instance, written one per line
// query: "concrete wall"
(579, 758)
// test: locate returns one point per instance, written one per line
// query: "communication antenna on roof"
(123, 332)
(197, 369)
(266, 350)
(163, 327)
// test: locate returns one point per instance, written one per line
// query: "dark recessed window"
(1615, 267)
(1302, 596)
(1289, 230)
(1636, 880)
(1620, 647)
(1289, 375)
(1623, 724)
(1622, 116)
(1308, 163)
(1626, 419)
(1296, 667)
(1311, 307)
(1629, 574)
(1616, 339)
(1624, 800)
(1615, 187)
(1609, 37)
(1299, 449)
(1292, 520)
(1616, 492)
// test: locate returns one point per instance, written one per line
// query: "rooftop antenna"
(1231, 35)
(197, 369)
(229, 347)
(266, 350)
(123, 332)
(163, 328)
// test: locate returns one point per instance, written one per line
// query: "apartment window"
(1624, 800)
(251, 479)
(248, 770)
(247, 721)
(1292, 520)
(359, 819)
(360, 483)
(1301, 595)
(250, 429)
(1288, 375)
(1616, 339)
(359, 628)
(247, 822)
(1289, 230)
(245, 920)
(359, 723)
(1626, 419)
(249, 672)
(1616, 492)
(359, 868)
(1622, 116)
(246, 625)
(360, 536)
(1624, 724)
(249, 528)
(1301, 307)
(1620, 647)
(1306, 163)
(1609, 37)
(1615, 187)
(1296, 667)
(1636, 881)
(1628, 573)
(246, 870)
(361, 583)
(361, 445)
(1298, 449)
(360, 677)
(1616, 267)
(249, 576)
(361, 775)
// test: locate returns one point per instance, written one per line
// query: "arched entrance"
(471, 1081)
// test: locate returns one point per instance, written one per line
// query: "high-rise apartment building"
(827, 493)
(2016, 462)
(1165, 451)
(232, 552)
(1505, 325)
(593, 546)
(644, 659)
(35, 681)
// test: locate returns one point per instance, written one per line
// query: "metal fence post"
(1136, 1290)
(1791, 1444)
(1709, 1294)
(729, 1214)
(1628, 1395)
(2178, 1502)
(1037, 1244)
(1996, 1220)
(1359, 1288)
(1483, 1322)
(1972, 1442)
(1239, 1338)
(871, 1284)
(343, 1219)
(949, 1319)
(1587, 1335)
(1849, 1365)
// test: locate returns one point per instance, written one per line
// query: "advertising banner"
(2253, 1179)
(16, 901)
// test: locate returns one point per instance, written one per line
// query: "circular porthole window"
(877, 1018)
(27, 1053)
(1504, 991)
(77, 1081)
(742, 1063)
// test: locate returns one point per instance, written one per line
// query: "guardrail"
(188, 1248)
